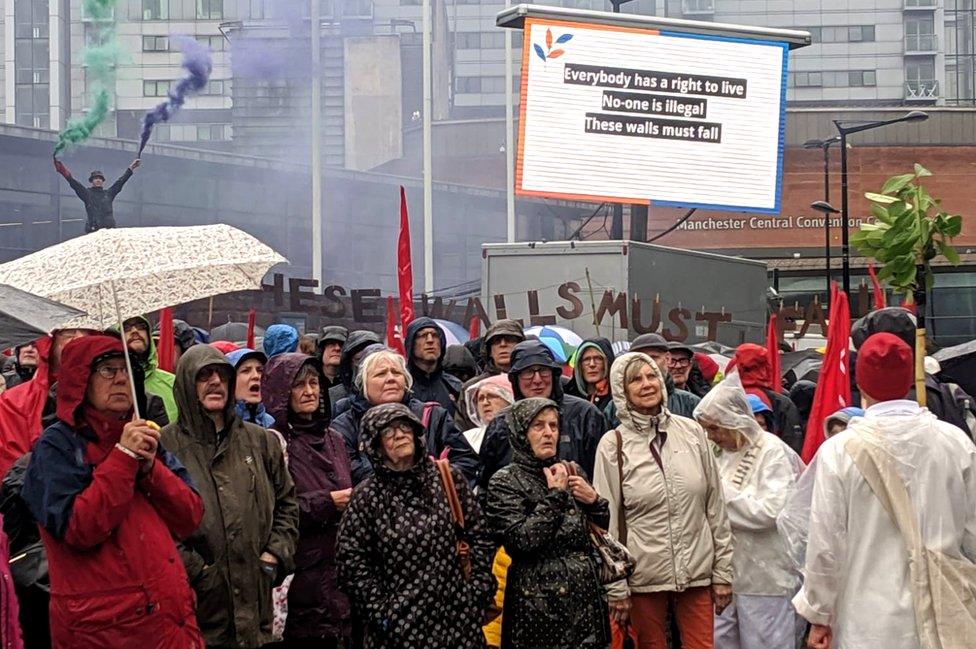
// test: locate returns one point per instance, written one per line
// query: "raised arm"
(80, 190)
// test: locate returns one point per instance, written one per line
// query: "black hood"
(458, 360)
(801, 394)
(534, 352)
(356, 341)
(894, 320)
(412, 330)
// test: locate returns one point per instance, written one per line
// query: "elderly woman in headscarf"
(658, 472)
(539, 508)
(318, 612)
(397, 549)
(383, 378)
(758, 472)
(484, 400)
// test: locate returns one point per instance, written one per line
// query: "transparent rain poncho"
(757, 480)
(857, 575)
(498, 385)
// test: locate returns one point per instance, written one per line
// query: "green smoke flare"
(100, 60)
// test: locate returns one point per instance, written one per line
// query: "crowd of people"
(326, 491)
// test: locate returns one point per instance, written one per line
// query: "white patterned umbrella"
(144, 269)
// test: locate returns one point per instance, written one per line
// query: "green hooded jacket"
(249, 508)
(158, 382)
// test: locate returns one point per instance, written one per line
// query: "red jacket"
(21, 408)
(116, 577)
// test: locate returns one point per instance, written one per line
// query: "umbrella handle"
(125, 354)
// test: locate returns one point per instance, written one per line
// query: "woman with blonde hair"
(383, 378)
(659, 475)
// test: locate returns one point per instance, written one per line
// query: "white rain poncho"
(857, 575)
(756, 482)
(499, 385)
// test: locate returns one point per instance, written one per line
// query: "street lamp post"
(846, 128)
(825, 145)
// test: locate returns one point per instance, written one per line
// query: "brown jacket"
(250, 508)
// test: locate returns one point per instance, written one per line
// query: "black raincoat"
(98, 201)
(356, 342)
(437, 386)
(441, 434)
(580, 427)
(397, 552)
(553, 596)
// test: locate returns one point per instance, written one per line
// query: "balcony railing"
(692, 7)
(924, 5)
(921, 43)
(922, 89)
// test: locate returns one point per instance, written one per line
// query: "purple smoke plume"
(198, 65)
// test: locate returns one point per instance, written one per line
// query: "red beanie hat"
(885, 367)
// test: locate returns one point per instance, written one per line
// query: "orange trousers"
(694, 612)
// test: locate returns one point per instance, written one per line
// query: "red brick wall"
(954, 181)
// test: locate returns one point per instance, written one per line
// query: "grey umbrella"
(25, 316)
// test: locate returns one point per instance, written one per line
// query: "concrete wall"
(373, 117)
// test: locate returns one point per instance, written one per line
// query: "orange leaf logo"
(548, 39)
(555, 54)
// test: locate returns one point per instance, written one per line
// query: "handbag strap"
(893, 495)
(621, 520)
(457, 513)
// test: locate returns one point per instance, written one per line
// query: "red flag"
(251, 318)
(166, 340)
(880, 301)
(393, 338)
(772, 346)
(474, 329)
(834, 385)
(404, 265)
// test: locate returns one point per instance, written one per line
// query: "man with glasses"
(534, 372)
(110, 501)
(245, 544)
(139, 341)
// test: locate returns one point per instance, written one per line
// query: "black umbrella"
(959, 365)
(235, 332)
(712, 347)
(803, 365)
(25, 316)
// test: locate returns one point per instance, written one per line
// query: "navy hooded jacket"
(438, 386)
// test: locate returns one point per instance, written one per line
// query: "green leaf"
(881, 198)
(953, 226)
(896, 183)
(921, 172)
(881, 214)
(948, 252)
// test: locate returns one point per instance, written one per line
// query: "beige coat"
(677, 528)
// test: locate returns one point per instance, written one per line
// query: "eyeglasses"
(680, 362)
(592, 360)
(207, 372)
(532, 372)
(396, 427)
(109, 372)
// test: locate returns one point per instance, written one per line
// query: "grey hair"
(370, 363)
(306, 371)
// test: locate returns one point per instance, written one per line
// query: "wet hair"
(306, 371)
(374, 360)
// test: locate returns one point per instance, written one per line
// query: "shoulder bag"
(457, 515)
